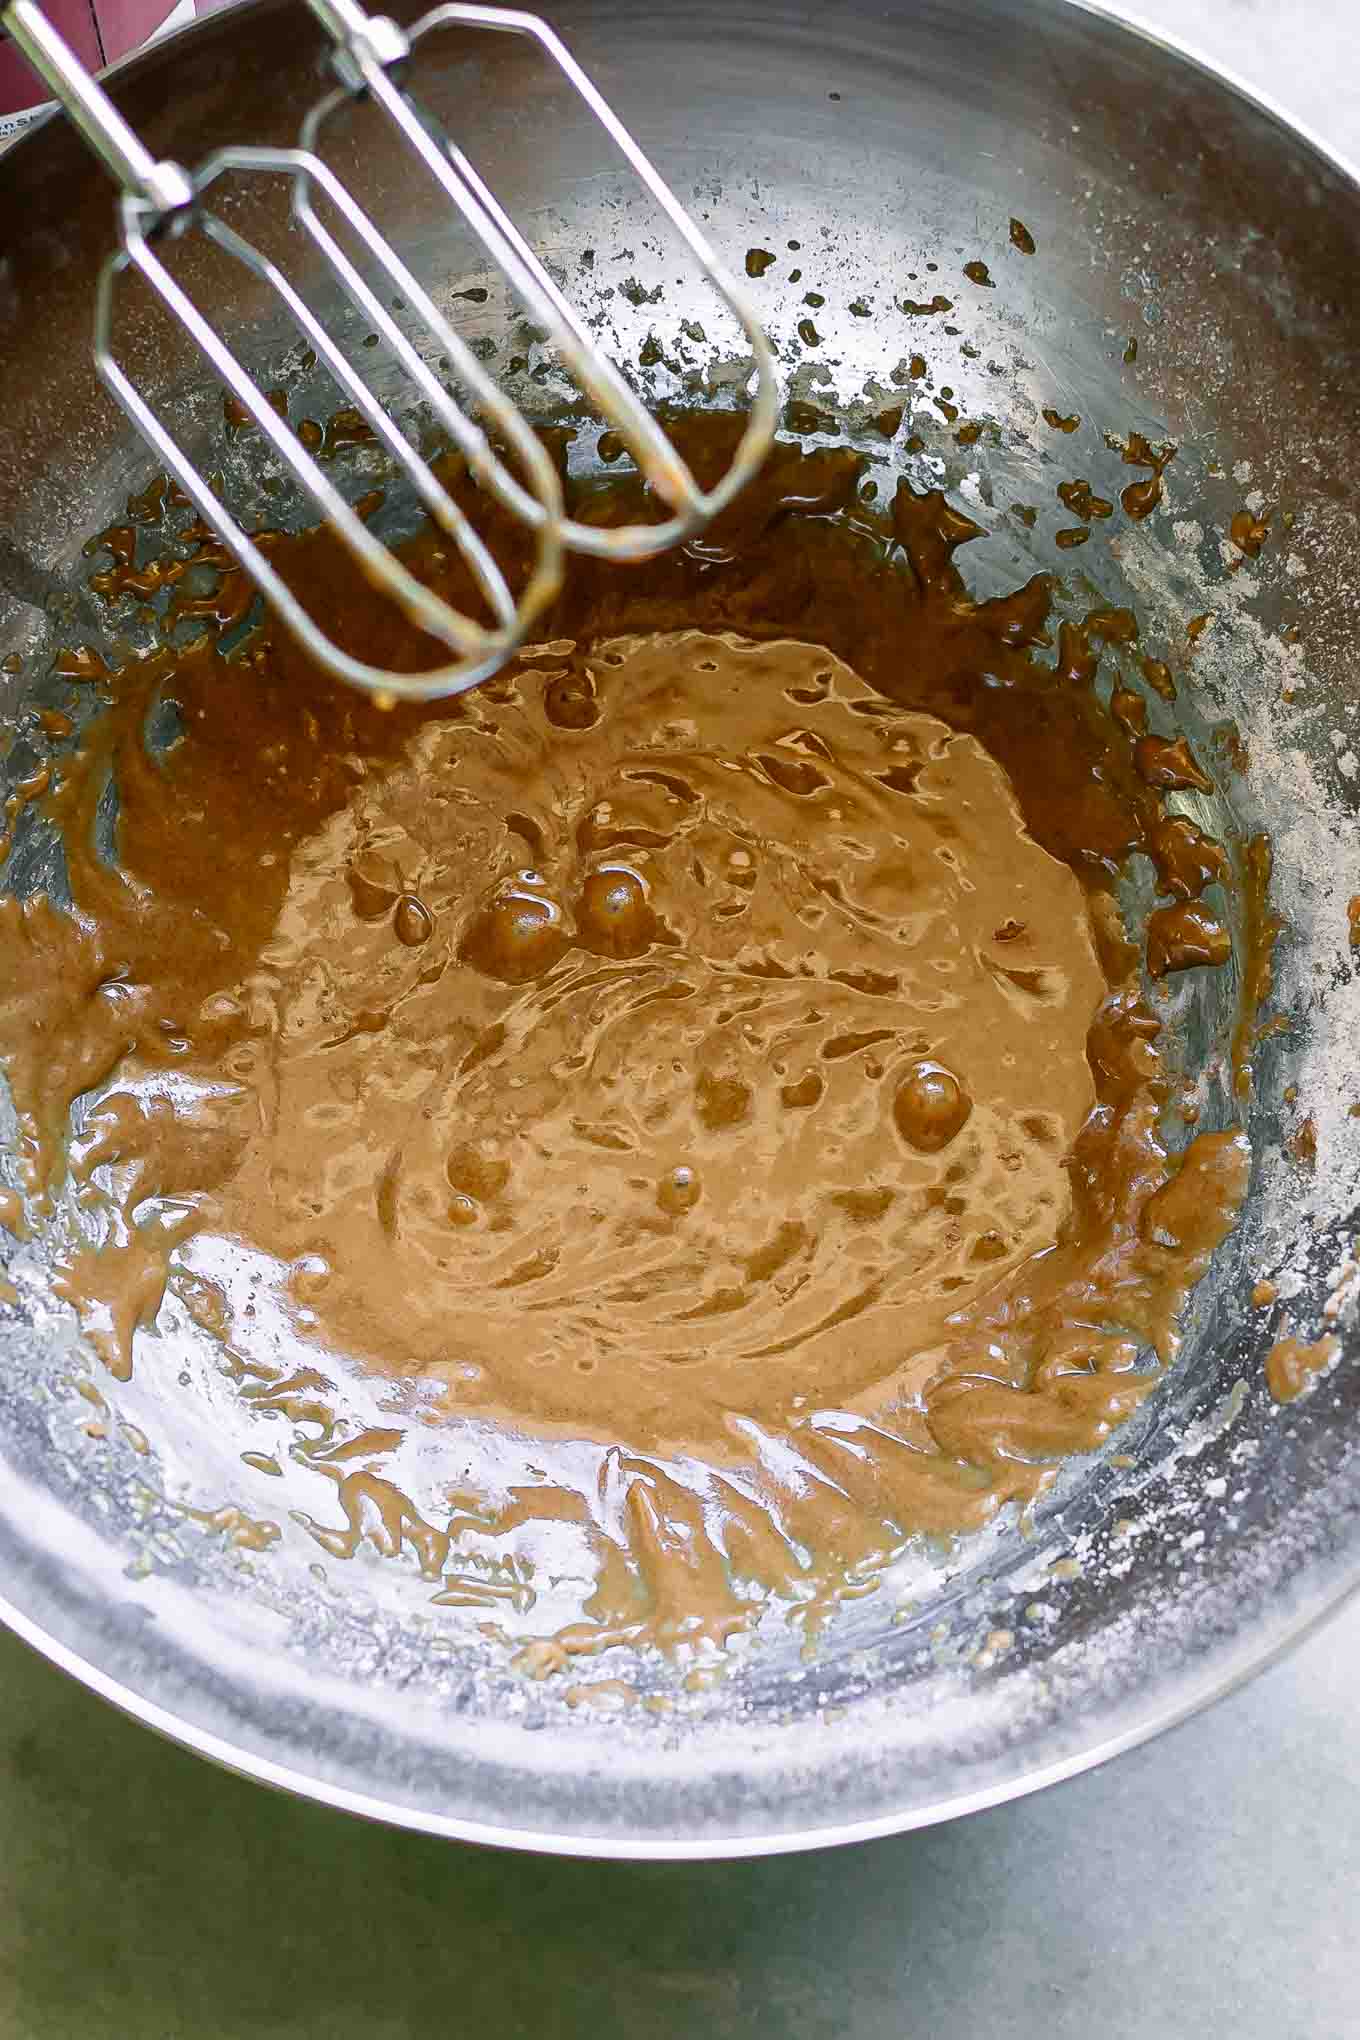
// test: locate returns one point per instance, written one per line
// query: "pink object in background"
(123, 24)
(99, 31)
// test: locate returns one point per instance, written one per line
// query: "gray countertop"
(1207, 1885)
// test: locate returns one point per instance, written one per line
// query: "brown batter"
(703, 1066)
(1293, 1367)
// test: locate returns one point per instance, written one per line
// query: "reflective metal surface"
(160, 201)
(1165, 208)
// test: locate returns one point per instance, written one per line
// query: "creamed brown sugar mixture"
(704, 1068)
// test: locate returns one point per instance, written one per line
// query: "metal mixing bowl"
(1167, 207)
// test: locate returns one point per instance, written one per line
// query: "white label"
(13, 124)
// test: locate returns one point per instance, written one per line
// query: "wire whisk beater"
(374, 59)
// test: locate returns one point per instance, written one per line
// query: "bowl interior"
(873, 154)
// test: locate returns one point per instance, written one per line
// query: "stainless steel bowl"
(1167, 208)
